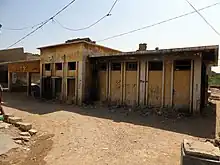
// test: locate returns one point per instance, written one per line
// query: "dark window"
(102, 66)
(131, 66)
(58, 66)
(71, 65)
(155, 66)
(47, 67)
(182, 65)
(116, 66)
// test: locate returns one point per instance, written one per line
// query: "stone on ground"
(32, 131)
(24, 138)
(7, 115)
(25, 134)
(4, 125)
(201, 149)
(18, 142)
(14, 120)
(24, 126)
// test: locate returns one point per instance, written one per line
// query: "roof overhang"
(211, 49)
(76, 42)
(14, 62)
(163, 51)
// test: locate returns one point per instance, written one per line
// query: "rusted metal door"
(115, 83)
(102, 73)
(181, 84)
(131, 83)
(155, 76)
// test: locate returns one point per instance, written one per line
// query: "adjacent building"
(66, 70)
(16, 69)
(176, 78)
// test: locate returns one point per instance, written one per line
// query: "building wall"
(10, 55)
(91, 49)
(166, 87)
(64, 54)
(77, 52)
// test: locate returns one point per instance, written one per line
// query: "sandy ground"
(96, 136)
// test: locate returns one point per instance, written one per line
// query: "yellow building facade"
(176, 78)
(65, 70)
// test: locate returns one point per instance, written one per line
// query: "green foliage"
(214, 80)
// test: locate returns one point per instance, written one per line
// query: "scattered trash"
(1, 117)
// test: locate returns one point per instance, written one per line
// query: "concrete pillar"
(123, 72)
(76, 83)
(80, 82)
(53, 87)
(9, 81)
(123, 78)
(142, 82)
(64, 79)
(28, 83)
(109, 81)
(65, 67)
(41, 79)
(197, 84)
(138, 83)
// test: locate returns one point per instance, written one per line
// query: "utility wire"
(22, 28)
(43, 23)
(203, 18)
(158, 23)
(93, 24)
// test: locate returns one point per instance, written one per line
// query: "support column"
(76, 83)
(163, 87)
(80, 82)
(64, 80)
(41, 79)
(53, 87)
(109, 79)
(28, 83)
(122, 81)
(142, 82)
(9, 81)
(197, 84)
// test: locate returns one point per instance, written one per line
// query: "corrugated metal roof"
(160, 51)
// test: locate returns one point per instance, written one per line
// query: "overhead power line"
(158, 23)
(22, 28)
(93, 24)
(43, 23)
(203, 18)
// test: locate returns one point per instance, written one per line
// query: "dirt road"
(97, 136)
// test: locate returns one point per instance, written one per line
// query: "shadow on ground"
(200, 126)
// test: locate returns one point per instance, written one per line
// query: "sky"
(127, 15)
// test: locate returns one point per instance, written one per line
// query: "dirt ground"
(97, 136)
